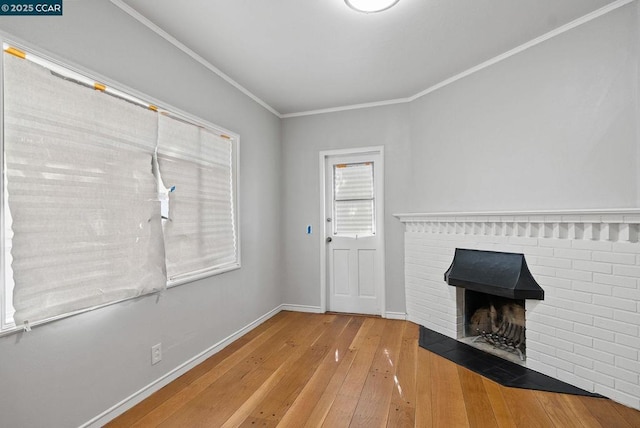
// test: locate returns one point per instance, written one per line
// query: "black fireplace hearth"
(497, 369)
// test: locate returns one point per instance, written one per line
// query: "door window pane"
(353, 199)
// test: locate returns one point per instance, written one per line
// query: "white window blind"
(7, 303)
(82, 195)
(353, 199)
(200, 232)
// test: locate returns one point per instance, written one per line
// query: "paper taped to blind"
(81, 191)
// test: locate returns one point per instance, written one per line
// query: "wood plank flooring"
(332, 370)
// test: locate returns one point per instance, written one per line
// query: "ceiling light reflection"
(370, 6)
(397, 382)
(388, 355)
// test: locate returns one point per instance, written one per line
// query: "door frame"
(324, 155)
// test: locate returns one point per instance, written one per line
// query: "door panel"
(366, 273)
(341, 272)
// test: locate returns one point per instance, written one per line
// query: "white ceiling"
(304, 55)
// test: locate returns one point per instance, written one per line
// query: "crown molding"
(168, 37)
(547, 36)
(538, 40)
(345, 108)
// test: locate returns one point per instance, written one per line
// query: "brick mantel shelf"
(607, 225)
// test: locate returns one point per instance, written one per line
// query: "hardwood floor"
(310, 370)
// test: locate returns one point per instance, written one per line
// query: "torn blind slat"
(200, 233)
(86, 216)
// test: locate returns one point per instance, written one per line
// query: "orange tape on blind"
(99, 87)
(15, 52)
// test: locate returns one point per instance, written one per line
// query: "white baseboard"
(318, 310)
(169, 377)
(395, 315)
(301, 308)
(156, 385)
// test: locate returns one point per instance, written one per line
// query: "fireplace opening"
(495, 324)
(495, 286)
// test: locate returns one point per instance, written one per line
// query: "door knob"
(329, 239)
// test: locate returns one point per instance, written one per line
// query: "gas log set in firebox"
(505, 282)
(501, 325)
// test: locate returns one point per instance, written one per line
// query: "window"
(84, 174)
(197, 164)
(353, 200)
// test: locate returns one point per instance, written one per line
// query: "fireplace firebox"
(496, 285)
(498, 321)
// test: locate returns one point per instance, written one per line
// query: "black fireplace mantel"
(492, 272)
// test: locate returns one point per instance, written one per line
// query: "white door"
(354, 232)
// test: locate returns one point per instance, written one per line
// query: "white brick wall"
(586, 331)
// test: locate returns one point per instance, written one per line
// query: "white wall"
(303, 139)
(552, 127)
(67, 372)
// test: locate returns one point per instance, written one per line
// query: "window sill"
(12, 328)
(183, 279)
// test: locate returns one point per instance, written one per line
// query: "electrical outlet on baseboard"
(156, 353)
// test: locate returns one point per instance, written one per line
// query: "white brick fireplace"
(586, 331)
